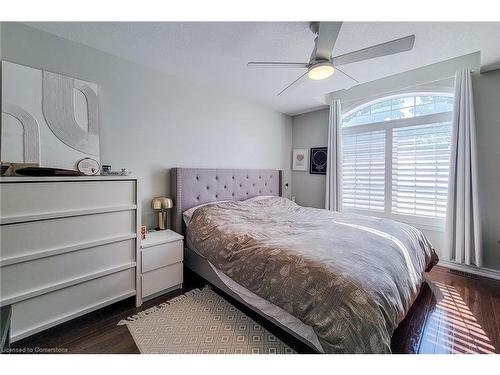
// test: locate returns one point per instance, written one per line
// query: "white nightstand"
(161, 263)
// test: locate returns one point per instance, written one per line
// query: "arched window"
(396, 157)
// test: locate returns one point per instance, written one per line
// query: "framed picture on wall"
(318, 160)
(300, 159)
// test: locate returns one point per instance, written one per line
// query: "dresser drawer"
(161, 279)
(27, 238)
(35, 314)
(161, 255)
(27, 277)
(50, 198)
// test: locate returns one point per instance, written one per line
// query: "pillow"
(186, 215)
(189, 213)
(259, 198)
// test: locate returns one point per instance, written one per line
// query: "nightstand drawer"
(160, 279)
(161, 255)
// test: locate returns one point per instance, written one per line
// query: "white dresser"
(68, 246)
(162, 262)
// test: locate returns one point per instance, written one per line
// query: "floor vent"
(464, 274)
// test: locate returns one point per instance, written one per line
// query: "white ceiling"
(216, 53)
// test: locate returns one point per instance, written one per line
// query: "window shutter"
(363, 170)
(420, 166)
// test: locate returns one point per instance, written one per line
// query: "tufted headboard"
(191, 187)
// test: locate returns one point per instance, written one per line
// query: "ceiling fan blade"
(327, 36)
(294, 84)
(277, 64)
(346, 74)
(382, 49)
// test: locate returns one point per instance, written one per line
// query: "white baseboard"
(480, 271)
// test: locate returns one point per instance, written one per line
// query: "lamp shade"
(161, 202)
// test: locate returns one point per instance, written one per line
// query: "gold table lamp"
(162, 204)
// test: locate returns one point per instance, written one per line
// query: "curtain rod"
(395, 91)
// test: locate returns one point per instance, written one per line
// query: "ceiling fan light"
(321, 71)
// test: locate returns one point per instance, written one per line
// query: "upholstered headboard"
(191, 187)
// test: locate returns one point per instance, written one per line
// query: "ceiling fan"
(322, 65)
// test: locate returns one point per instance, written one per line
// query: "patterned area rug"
(200, 321)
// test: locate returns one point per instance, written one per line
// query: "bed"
(339, 283)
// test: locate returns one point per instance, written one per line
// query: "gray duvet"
(352, 278)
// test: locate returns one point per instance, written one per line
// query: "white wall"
(150, 121)
(309, 129)
(487, 105)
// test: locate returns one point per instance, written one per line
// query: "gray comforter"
(352, 278)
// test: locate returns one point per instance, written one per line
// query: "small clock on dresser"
(88, 166)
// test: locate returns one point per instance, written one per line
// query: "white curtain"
(463, 225)
(333, 197)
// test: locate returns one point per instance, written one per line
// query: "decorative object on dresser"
(162, 204)
(43, 172)
(10, 169)
(88, 166)
(5, 168)
(69, 246)
(48, 119)
(144, 230)
(318, 160)
(300, 159)
(105, 169)
(161, 263)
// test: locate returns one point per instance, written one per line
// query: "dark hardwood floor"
(452, 314)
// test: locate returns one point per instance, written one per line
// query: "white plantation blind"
(396, 154)
(420, 164)
(363, 169)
